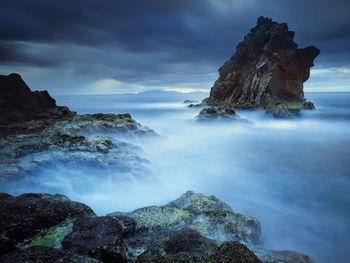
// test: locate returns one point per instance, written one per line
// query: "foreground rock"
(99, 237)
(45, 255)
(25, 216)
(193, 228)
(218, 114)
(36, 133)
(266, 72)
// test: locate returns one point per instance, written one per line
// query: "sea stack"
(266, 72)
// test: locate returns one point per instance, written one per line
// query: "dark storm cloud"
(149, 40)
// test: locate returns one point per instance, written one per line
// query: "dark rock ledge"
(266, 72)
(193, 228)
(34, 133)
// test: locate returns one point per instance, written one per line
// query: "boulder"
(218, 114)
(99, 237)
(195, 215)
(266, 72)
(25, 216)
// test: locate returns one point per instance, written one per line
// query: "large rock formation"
(18, 103)
(267, 71)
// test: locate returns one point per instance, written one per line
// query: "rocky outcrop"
(23, 155)
(19, 104)
(193, 228)
(218, 114)
(36, 133)
(266, 72)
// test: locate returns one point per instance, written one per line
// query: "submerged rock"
(308, 105)
(267, 71)
(218, 114)
(189, 101)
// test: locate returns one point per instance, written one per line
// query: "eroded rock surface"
(266, 72)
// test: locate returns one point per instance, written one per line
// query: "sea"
(292, 175)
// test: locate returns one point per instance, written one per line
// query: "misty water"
(292, 175)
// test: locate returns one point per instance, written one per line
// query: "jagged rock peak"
(267, 71)
(18, 103)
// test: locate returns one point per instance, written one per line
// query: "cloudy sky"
(120, 46)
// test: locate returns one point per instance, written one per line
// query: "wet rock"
(159, 217)
(279, 111)
(268, 256)
(171, 243)
(215, 219)
(308, 105)
(189, 101)
(195, 105)
(218, 114)
(99, 237)
(25, 216)
(104, 123)
(232, 252)
(206, 216)
(197, 231)
(266, 72)
(156, 256)
(23, 155)
(40, 254)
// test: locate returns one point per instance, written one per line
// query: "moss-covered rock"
(215, 219)
(52, 237)
(160, 217)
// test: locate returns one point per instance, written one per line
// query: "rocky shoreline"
(192, 228)
(36, 133)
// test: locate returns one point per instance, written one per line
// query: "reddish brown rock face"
(267, 70)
